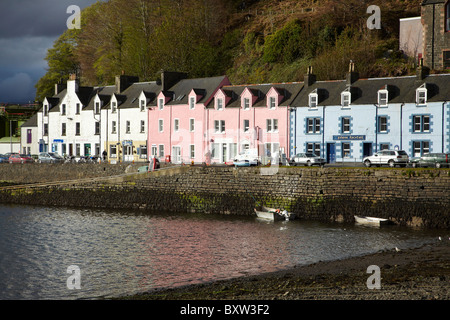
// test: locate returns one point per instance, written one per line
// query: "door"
(224, 153)
(331, 153)
(367, 149)
(176, 154)
(128, 153)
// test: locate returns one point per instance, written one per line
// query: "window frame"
(346, 95)
(386, 99)
(311, 104)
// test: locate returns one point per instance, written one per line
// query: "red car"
(20, 158)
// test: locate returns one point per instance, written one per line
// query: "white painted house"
(86, 121)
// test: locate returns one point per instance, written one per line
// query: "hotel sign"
(349, 137)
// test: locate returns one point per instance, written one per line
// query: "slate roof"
(203, 86)
(425, 2)
(31, 122)
(365, 91)
(288, 90)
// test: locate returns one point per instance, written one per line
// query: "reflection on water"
(123, 253)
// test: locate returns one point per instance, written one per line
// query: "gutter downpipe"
(443, 126)
(376, 127)
(401, 125)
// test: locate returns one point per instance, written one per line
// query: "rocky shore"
(414, 274)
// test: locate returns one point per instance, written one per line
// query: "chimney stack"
(59, 87)
(310, 78)
(123, 82)
(72, 83)
(422, 71)
(352, 75)
(169, 79)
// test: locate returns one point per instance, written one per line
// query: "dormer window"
(160, 104)
(97, 108)
(63, 109)
(142, 105)
(113, 107)
(219, 104)
(191, 103)
(383, 97)
(272, 103)
(313, 99)
(346, 98)
(246, 103)
(46, 110)
(421, 95)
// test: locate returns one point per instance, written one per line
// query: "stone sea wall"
(414, 197)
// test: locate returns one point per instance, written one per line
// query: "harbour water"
(121, 252)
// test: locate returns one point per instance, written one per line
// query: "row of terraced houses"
(178, 119)
(209, 120)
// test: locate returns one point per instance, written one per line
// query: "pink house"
(177, 122)
(250, 117)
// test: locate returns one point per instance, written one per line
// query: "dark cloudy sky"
(28, 28)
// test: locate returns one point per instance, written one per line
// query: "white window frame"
(383, 102)
(113, 107)
(160, 125)
(191, 125)
(272, 103)
(313, 98)
(246, 104)
(346, 125)
(142, 105)
(272, 125)
(128, 126)
(154, 150)
(219, 126)
(176, 125)
(161, 104)
(346, 98)
(113, 127)
(421, 100)
(191, 103)
(192, 151)
(219, 104)
(246, 125)
(142, 126)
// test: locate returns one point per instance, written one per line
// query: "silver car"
(307, 159)
(387, 157)
(49, 157)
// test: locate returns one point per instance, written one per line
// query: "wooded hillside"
(250, 41)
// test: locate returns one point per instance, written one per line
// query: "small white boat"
(273, 214)
(371, 221)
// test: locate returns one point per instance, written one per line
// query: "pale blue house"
(353, 118)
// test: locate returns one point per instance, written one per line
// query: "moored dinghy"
(273, 214)
(371, 221)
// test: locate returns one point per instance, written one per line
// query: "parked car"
(431, 160)
(307, 159)
(387, 157)
(50, 157)
(248, 156)
(4, 158)
(20, 158)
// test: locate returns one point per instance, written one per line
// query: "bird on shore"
(440, 239)
(397, 249)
